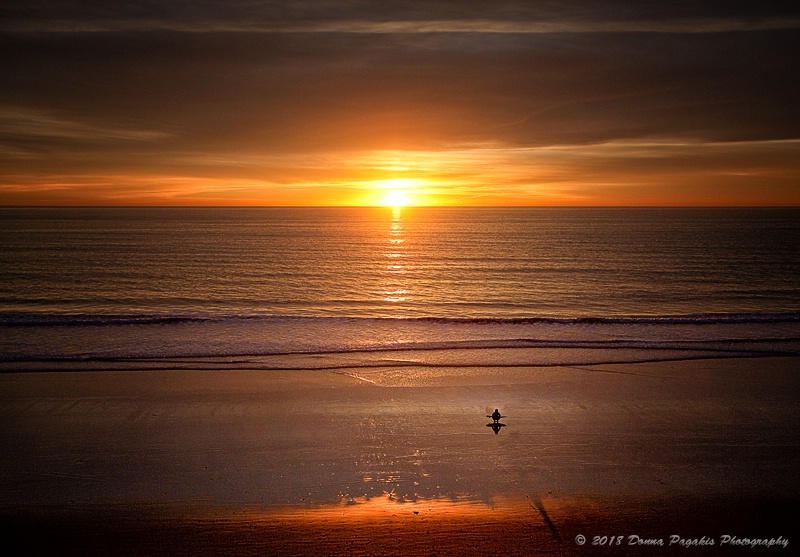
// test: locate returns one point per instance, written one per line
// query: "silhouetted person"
(496, 415)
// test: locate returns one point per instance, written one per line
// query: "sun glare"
(396, 198)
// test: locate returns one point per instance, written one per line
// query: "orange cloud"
(616, 173)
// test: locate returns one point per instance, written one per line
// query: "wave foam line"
(652, 353)
(720, 345)
(19, 319)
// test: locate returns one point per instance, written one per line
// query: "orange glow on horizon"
(397, 192)
(608, 174)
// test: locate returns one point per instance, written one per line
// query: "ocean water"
(476, 286)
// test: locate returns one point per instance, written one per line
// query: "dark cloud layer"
(48, 14)
(352, 91)
(116, 87)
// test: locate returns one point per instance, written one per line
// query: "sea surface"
(477, 286)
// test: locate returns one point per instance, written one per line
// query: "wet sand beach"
(399, 461)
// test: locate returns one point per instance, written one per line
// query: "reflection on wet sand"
(506, 525)
(196, 462)
(496, 426)
(389, 504)
(358, 527)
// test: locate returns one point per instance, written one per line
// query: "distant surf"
(83, 338)
(499, 286)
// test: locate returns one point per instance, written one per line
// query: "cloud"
(408, 27)
(393, 16)
(287, 92)
(21, 123)
(550, 98)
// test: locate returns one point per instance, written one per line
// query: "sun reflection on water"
(395, 288)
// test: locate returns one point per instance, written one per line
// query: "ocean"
(276, 288)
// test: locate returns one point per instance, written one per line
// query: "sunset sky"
(365, 102)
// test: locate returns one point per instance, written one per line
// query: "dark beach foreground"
(389, 461)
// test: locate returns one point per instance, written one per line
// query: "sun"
(396, 198)
(397, 192)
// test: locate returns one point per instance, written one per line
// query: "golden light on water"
(395, 289)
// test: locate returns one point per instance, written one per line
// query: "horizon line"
(400, 207)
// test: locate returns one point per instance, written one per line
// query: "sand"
(392, 461)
